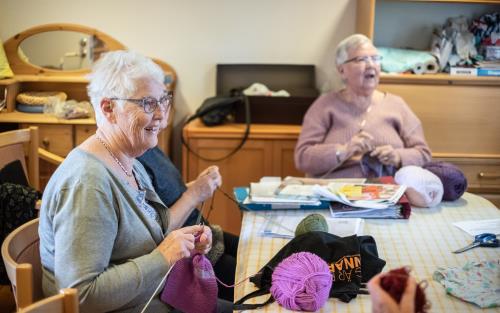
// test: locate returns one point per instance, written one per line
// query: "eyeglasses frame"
(141, 102)
(374, 58)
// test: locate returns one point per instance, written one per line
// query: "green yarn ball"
(312, 222)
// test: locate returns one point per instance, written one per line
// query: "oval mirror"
(57, 49)
(61, 50)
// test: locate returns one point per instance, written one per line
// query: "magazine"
(371, 196)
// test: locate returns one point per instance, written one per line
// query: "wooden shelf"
(196, 129)
(7, 81)
(44, 78)
(435, 79)
(40, 118)
(457, 1)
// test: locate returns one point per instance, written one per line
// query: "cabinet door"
(249, 164)
(83, 132)
(456, 119)
(283, 162)
(57, 139)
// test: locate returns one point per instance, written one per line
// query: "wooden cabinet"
(459, 114)
(267, 152)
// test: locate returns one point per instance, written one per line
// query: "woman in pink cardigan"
(340, 127)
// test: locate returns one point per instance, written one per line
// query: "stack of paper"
(338, 209)
(369, 196)
(284, 226)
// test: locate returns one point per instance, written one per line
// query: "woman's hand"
(387, 155)
(382, 302)
(203, 239)
(180, 243)
(361, 143)
(204, 186)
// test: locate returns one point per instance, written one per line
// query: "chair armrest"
(49, 156)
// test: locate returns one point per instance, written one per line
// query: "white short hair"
(348, 44)
(116, 75)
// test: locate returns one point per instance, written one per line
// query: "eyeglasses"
(150, 104)
(365, 59)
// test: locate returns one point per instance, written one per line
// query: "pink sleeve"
(416, 150)
(312, 156)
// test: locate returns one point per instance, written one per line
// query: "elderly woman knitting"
(359, 130)
(103, 229)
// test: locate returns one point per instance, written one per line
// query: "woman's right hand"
(361, 143)
(382, 302)
(178, 244)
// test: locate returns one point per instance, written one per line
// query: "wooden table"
(424, 242)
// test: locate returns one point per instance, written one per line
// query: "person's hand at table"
(387, 155)
(361, 143)
(382, 302)
(204, 244)
(181, 242)
(204, 185)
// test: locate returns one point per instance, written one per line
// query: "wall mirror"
(57, 49)
(61, 50)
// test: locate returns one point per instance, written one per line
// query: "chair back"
(12, 147)
(21, 256)
(64, 302)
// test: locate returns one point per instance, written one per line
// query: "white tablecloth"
(425, 242)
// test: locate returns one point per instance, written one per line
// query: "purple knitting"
(191, 286)
(453, 179)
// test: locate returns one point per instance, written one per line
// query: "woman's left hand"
(387, 155)
(203, 241)
(204, 186)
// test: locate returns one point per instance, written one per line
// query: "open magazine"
(372, 196)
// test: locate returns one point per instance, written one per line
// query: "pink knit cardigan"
(331, 122)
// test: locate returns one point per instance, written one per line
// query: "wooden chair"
(21, 256)
(64, 302)
(12, 148)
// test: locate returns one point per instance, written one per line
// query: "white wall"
(194, 35)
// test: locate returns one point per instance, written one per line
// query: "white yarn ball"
(424, 190)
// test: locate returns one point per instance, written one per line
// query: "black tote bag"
(352, 260)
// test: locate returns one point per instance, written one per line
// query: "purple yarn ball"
(302, 282)
(453, 179)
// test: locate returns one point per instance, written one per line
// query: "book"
(488, 71)
(463, 71)
(341, 210)
(369, 196)
(241, 195)
(485, 70)
(282, 226)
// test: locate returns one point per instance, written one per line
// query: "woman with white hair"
(340, 127)
(103, 229)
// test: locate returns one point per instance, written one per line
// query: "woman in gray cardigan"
(103, 229)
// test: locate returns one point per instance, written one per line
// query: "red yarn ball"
(394, 282)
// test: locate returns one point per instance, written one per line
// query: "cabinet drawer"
(482, 174)
(83, 132)
(57, 139)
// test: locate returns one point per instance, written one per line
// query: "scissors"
(482, 240)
